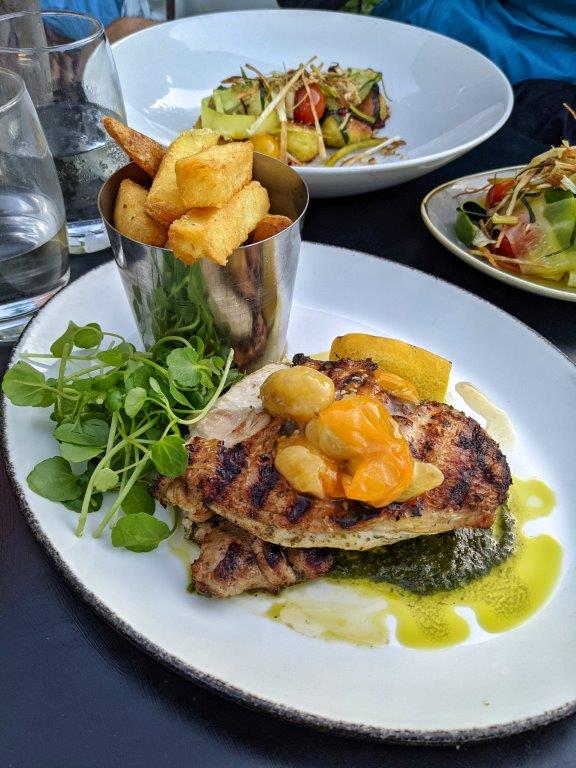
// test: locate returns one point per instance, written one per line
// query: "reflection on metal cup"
(247, 302)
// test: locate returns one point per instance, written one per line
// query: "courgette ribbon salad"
(527, 223)
(304, 114)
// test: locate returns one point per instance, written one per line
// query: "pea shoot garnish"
(121, 417)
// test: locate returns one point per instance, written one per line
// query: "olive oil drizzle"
(498, 424)
(503, 599)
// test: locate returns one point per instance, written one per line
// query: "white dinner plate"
(492, 684)
(438, 211)
(445, 98)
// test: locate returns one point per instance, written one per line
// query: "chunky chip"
(210, 178)
(131, 219)
(164, 201)
(270, 225)
(215, 233)
(144, 151)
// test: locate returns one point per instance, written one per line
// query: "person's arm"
(127, 25)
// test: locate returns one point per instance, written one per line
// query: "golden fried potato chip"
(144, 151)
(270, 225)
(210, 178)
(131, 219)
(214, 233)
(164, 201)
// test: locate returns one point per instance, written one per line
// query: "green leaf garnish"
(138, 499)
(118, 355)
(124, 412)
(139, 532)
(53, 479)
(89, 432)
(134, 401)
(67, 337)
(78, 453)
(114, 400)
(89, 336)
(75, 505)
(183, 365)
(104, 479)
(169, 456)
(24, 385)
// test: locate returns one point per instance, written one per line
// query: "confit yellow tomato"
(381, 478)
(396, 385)
(266, 143)
(352, 428)
(306, 469)
(359, 432)
(299, 393)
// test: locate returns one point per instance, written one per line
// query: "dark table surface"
(74, 693)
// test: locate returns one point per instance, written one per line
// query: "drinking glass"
(66, 63)
(33, 248)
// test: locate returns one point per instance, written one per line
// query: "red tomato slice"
(497, 192)
(525, 241)
(505, 248)
(303, 111)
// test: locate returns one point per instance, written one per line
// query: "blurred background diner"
(516, 35)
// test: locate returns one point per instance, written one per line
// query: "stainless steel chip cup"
(246, 304)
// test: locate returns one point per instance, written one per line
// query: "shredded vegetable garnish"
(278, 98)
(389, 144)
(526, 223)
(308, 111)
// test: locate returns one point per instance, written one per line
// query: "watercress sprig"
(121, 417)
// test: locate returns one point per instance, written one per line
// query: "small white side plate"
(438, 211)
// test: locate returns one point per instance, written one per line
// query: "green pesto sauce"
(430, 564)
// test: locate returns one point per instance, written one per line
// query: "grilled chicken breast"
(232, 561)
(237, 480)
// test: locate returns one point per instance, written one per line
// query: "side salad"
(527, 223)
(297, 114)
(120, 417)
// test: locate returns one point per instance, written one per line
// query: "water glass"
(33, 248)
(67, 65)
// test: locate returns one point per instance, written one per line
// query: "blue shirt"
(527, 39)
(106, 11)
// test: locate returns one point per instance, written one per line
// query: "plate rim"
(235, 692)
(522, 283)
(381, 169)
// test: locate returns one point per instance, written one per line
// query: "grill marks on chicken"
(240, 483)
(476, 474)
(232, 561)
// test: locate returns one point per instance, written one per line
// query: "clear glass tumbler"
(33, 247)
(67, 65)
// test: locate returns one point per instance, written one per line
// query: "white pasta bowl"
(445, 98)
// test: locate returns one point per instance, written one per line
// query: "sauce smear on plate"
(358, 611)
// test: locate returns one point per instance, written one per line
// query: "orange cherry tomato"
(303, 112)
(379, 479)
(352, 427)
(396, 385)
(307, 469)
(360, 431)
(497, 192)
